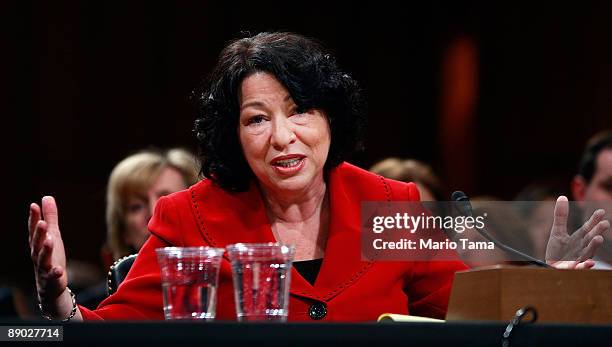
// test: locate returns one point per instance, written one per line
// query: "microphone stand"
(466, 209)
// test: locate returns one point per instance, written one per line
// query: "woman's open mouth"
(288, 164)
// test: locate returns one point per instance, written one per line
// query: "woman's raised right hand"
(49, 258)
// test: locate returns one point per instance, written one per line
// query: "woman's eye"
(256, 120)
(135, 207)
(300, 115)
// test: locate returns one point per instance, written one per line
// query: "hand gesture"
(49, 258)
(574, 251)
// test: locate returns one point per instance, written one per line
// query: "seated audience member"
(410, 170)
(593, 186)
(134, 186)
(277, 120)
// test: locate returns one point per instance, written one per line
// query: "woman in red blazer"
(346, 288)
(277, 119)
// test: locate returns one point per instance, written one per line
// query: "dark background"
(83, 84)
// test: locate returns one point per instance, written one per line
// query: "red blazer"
(350, 289)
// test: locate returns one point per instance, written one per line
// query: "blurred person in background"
(134, 186)
(411, 170)
(592, 186)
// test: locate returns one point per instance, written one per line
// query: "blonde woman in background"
(410, 170)
(134, 187)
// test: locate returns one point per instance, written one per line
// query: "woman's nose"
(282, 134)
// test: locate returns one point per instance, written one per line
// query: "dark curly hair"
(313, 80)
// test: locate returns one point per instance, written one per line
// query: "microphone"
(465, 208)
